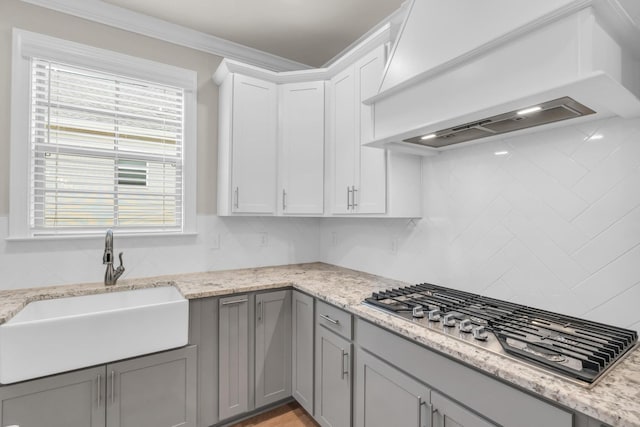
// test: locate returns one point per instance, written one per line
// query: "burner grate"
(574, 347)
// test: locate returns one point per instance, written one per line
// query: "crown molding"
(376, 38)
(124, 19)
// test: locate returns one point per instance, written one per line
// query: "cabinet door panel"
(254, 145)
(153, 391)
(273, 347)
(302, 354)
(333, 380)
(371, 197)
(343, 135)
(450, 414)
(75, 399)
(302, 148)
(233, 356)
(385, 396)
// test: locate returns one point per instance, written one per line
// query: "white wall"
(221, 243)
(554, 224)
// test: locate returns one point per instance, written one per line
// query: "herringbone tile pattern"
(555, 223)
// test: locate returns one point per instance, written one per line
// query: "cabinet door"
(302, 350)
(387, 397)
(153, 391)
(273, 347)
(233, 356)
(446, 413)
(75, 399)
(342, 129)
(333, 380)
(372, 191)
(253, 146)
(302, 148)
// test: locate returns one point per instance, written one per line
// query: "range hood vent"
(542, 114)
(463, 73)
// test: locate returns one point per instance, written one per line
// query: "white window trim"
(27, 44)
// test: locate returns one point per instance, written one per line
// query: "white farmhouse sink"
(58, 335)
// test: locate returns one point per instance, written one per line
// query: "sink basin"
(57, 335)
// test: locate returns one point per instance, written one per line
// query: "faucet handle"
(120, 257)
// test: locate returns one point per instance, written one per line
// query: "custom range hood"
(464, 71)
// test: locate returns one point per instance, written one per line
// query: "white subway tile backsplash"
(545, 187)
(566, 235)
(558, 261)
(46, 263)
(612, 280)
(553, 224)
(616, 308)
(622, 198)
(611, 243)
(620, 163)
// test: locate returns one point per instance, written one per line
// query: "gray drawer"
(334, 319)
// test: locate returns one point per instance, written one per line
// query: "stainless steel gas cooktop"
(574, 348)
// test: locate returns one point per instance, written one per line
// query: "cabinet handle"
(345, 365)
(238, 301)
(353, 197)
(113, 386)
(329, 319)
(259, 311)
(348, 198)
(237, 203)
(284, 199)
(427, 418)
(99, 381)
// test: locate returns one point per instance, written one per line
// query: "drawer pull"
(329, 319)
(238, 301)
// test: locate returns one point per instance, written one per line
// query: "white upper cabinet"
(247, 146)
(342, 139)
(301, 143)
(363, 180)
(358, 173)
(371, 197)
(272, 155)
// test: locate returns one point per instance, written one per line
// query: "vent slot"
(550, 112)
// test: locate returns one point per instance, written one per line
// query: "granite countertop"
(615, 399)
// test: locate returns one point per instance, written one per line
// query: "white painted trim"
(119, 17)
(30, 44)
(379, 37)
(26, 44)
(387, 22)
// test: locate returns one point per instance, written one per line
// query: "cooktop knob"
(465, 326)
(434, 315)
(480, 334)
(449, 320)
(417, 311)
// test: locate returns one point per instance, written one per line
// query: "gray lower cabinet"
(233, 356)
(302, 350)
(74, 399)
(333, 379)
(480, 400)
(447, 413)
(385, 396)
(153, 391)
(273, 347)
(203, 331)
(158, 390)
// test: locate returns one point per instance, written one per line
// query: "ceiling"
(307, 31)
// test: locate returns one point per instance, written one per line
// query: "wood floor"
(289, 415)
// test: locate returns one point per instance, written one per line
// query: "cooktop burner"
(575, 348)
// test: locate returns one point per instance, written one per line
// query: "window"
(103, 149)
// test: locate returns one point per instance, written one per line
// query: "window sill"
(92, 236)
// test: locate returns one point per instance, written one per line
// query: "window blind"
(106, 151)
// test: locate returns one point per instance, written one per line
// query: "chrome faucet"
(111, 275)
